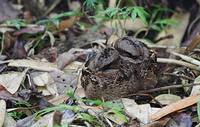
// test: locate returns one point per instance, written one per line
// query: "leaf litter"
(99, 65)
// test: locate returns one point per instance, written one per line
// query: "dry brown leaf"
(4, 94)
(11, 81)
(26, 122)
(9, 40)
(196, 89)
(66, 58)
(52, 88)
(44, 91)
(193, 44)
(9, 121)
(2, 112)
(74, 5)
(64, 24)
(80, 92)
(31, 29)
(7, 11)
(166, 99)
(112, 39)
(58, 99)
(128, 24)
(160, 123)
(74, 66)
(141, 112)
(34, 64)
(41, 78)
(112, 3)
(184, 103)
(48, 120)
(177, 31)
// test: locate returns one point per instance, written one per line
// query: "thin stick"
(187, 58)
(163, 38)
(55, 3)
(178, 75)
(5, 62)
(168, 87)
(178, 62)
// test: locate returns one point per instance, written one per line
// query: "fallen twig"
(168, 87)
(187, 58)
(178, 62)
(179, 75)
(181, 104)
(55, 3)
(170, 36)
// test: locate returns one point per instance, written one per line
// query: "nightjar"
(118, 71)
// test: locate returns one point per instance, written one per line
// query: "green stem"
(118, 4)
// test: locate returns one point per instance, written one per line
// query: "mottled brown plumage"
(118, 71)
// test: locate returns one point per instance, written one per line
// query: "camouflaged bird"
(118, 71)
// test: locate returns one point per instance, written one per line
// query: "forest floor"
(96, 63)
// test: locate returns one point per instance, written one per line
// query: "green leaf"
(66, 14)
(123, 13)
(93, 101)
(141, 13)
(156, 27)
(18, 23)
(166, 22)
(55, 21)
(118, 115)
(112, 11)
(90, 3)
(86, 117)
(112, 105)
(70, 93)
(133, 15)
(60, 107)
